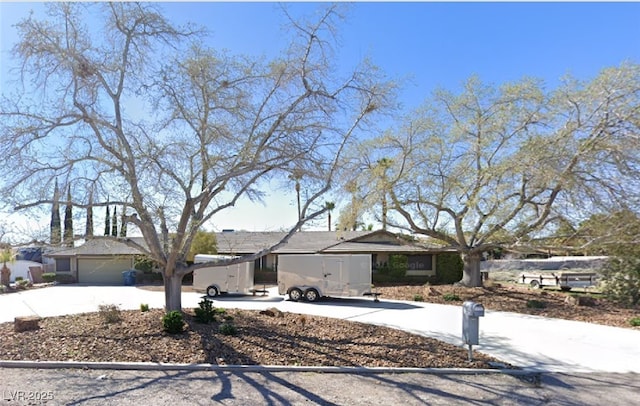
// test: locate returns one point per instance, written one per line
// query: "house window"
(420, 262)
(63, 264)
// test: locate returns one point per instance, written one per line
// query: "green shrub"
(448, 267)
(173, 322)
(144, 307)
(143, 263)
(64, 278)
(110, 313)
(451, 297)
(621, 280)
(635, 322)
(418, 298)
(219, 310)
(205, 313)
(536, 304)
(49, 277)
(19, 279)
(398, 265)
(228, 329)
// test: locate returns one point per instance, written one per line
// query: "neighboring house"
(379, 244)
(99, 261)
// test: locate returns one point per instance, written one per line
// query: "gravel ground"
(575, 305)
(261, 339)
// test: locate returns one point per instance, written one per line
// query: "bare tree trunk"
(173, 291)
(471, 271)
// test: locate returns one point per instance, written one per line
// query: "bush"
(418, 298)
(398, 265)
(635, 322)
(173, 322)
(535, 304)
(205, 313)
(49, 277)
(64, 278)
(448, 267)
(451, 297)
(144, 307)
(621, 280)
(19, 278)
(110, 313)
(228, 329)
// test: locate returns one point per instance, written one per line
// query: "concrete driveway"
(531, 342)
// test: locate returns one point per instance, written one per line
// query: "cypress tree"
(114, 222)
(88, 231)
(68, 220)
(56, 232)
(107, 221)
(123, 224)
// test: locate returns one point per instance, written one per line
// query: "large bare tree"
(496, 166)
(141, 111)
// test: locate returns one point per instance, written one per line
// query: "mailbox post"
(471, 311)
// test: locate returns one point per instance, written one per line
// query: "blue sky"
(427, 45)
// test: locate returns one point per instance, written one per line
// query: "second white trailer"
(312, 276)
(215, 280)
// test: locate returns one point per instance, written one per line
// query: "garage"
(99, 261)
(103, 271)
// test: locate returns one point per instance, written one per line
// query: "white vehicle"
(216, 280)
(313, 276)
(564, 280)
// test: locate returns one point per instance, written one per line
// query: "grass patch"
(451, 297)
(635, 322)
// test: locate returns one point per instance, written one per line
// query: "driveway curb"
(153, 366)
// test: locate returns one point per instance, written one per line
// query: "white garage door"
(107, 271)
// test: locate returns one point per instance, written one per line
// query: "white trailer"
(564, 280)
(215, 280)
(312, 276)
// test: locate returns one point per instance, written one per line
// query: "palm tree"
(296, 175)
(382, 165)
(329, 206)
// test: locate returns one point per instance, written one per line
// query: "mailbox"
(470, 322)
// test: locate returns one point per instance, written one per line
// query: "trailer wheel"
(311, 295)
(212, 291)
(534, 284)
(295, 294)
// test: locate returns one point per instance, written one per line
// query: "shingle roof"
(97, 246)
(243, 242)
(248, 242)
